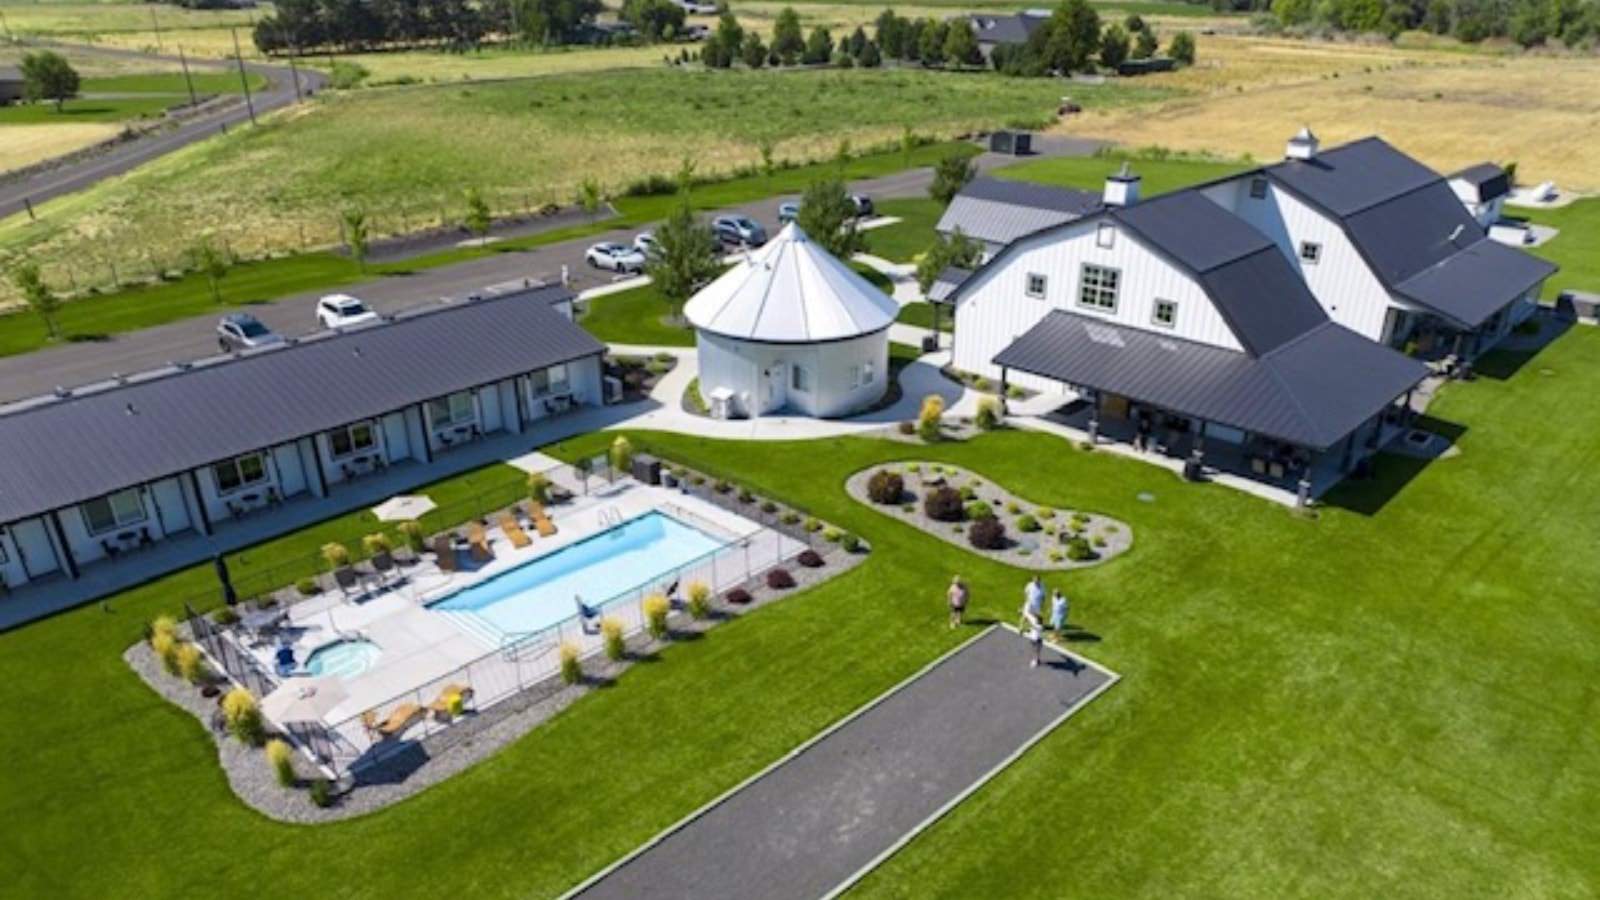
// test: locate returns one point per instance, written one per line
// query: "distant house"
(997, 211)
(1013, 30)
(1387, 245)
(10, 85)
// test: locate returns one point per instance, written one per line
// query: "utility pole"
(243, 79)
(186, 79)
(156, 24)
(295, 74)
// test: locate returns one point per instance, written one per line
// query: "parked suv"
(242, 331)
(616, 257)
(341, 310)
(863, 205)
(739, 231)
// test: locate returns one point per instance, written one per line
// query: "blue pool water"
(540, 593)
(345, 659)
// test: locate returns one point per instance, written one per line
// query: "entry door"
(777, 386)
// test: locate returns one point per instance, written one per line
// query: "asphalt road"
(71, 365)
(85, 173)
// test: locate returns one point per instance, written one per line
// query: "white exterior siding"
(12, 571)
(172, 506)
(36, 548)
(1346, 288)
(995, 307)
(396, 438)
(761, 375)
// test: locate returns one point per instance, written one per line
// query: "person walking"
(1033, 604)
(1058, 612)
(1035, 636)
(957, 595)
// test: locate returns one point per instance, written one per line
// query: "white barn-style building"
(791, 328)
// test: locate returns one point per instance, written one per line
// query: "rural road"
(84, 173)
(70, 365)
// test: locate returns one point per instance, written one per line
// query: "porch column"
(427, 433)
(68, 563)
(1005, 373)
(203, 518)
(316, 465)
(1094, 417)
(1197, 453)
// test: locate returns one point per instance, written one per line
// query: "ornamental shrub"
(928, 418)
(621, 454)
(722, 487)
(977, 509)
(832, 535)
(745, 496)
(768, 507)
(571, 668)
(779, 579)
(885, 486)
(539, 488)
(335, 554)
(281, 758)
(307, 586)
(656, 608)
(988, 417)
(738, 596)
(813, 525)
(321, 793)
(160, 625)
(165, 645)
(243, 716)
(376, 542)
(987, 534)
(811, 559)
(699, 599)
(1045, 513)
(790, 518)
(908, 428)
(611, 634)
(850, 542)
(1013, 508)
(1027, 523)
(414, 538)
(943, 504)
(1078, 550)
(968, 492)
(191, 665)
(225, 616)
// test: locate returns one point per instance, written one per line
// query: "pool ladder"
(610, 516)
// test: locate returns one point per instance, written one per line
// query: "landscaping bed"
(962, 508)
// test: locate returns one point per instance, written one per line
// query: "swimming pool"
(540, 593)
(344, 658)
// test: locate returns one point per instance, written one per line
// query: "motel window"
(1258, 188)
(1166, 313)
(800, 379)
(1097, 287)
(1105, 237)
(113, 511)
(456, 409)
(1036, 285)
(351, 439)
(239, 472)
(549, 381)
(1310, 252)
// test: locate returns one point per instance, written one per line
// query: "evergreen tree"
(1113, 47)
(819, 46)
(787, 41)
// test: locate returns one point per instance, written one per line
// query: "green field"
(172, 83)
(909, 238)
(1576, 249)
(1394, 699)
(1157, 176)
(86, 109)
(921, 315)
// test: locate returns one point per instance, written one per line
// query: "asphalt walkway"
(827, 814)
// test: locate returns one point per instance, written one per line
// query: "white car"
(645, 243)
(342, 310)
(616, 257)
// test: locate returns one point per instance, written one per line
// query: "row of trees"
(298, 25)
(1527, 22)
(790, 45)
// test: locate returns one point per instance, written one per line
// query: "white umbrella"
(304, 699)
(404, 508)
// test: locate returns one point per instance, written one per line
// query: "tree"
(213, 264)
(908, 145)
(769, 165)
(43, 301)
(787, 40)
(47, 75)
(1144, 43)
(950, 175)
(590, 197)
(1074, 36)
(870, 57)
(819, 47)
(683, 258)
(730, 35)
(655, 19)
(355, 235)
(1113, 47)
(961, 45)
(1181, 48)
(716, 55)
(827, 214)
(890, 33)
(930, 45)
(1133, 24)
(477, 219)
(856, 43)
(957, 250)
(753, 52)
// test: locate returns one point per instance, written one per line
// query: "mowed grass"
(1156, 175)
(407, 155)
(86, 109)
(638, 316)
(910, 237)
(173, 83)
(1396, 703)
(1576, 249)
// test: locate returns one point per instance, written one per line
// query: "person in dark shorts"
(957, 595)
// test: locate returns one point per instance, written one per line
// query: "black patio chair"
(384, 566)
(346, 578)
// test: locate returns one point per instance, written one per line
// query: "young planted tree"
(819, 47)
(1144, 43)
(684, 257)
(950, 175)
(47, 75)
(1113, 47)
(477, 219)
(1181, 48)
(961, 45)
(213, 264)
(828, 216)
(769, 165)
(956, 251)
(787, 40)
(43, 301)
(753, 52)
(590, 197)
(356, 236)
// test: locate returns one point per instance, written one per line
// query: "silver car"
(242, 331)
(739, 231)
(615, 257)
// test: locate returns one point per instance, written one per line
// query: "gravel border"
(471, 740)
(1116, 533)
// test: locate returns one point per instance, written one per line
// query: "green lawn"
(1395, 703)
(1089, 172)
(208, 82)
(634, 316)
(1576, 249)
(118, 109)
(921, 315)
(909, 238)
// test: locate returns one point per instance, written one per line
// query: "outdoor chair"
(444, 550)
(383, 566)
(541, 521)
(440, 707)
(397, 722)
(478, 541)
(347, 579)
(513, 531)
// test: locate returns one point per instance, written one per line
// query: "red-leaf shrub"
(987, 534)
(885, 487)
(737, 596)
(780, 579)
(943, 504)
(811, 559)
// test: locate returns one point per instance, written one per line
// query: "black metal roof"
(1312, 391)
(1490, 180)
(1352, 177)
(65, 451)
(1010, 29)
(1000, 210)
(946, 283)
(1473, 283)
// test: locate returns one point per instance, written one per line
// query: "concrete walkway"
(827, 814)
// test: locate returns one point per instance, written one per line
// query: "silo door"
(776, 388)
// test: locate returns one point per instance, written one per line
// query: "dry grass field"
(1446, 107)
(23, 145)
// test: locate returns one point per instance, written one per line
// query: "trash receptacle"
(646, 469)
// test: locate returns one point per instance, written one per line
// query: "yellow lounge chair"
(440, 707)
(478, 540)
(540, 520)
(513, 531)
(399, 720)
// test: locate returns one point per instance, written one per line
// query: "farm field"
(147, 27)
(1431, 103)
(26, 145)
(407, 155)
(1367, 703)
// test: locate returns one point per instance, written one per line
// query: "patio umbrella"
(303, 699)
(404, 508)
(229, 596)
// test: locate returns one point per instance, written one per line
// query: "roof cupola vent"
(1122, 188)
(1303, 146)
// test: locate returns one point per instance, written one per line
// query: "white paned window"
(1036, 285)
(1310, 252)
(1105, 237)
(1097, 287)
(456, 409)
(1258, 188)
(1165, 314)
(239, 472)
(352, 439)
(549, 381)
(800, 379)
(113, 511)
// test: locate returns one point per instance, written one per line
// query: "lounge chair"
(440, 707)
(399, 720)
(347, 578)
(444, 548)
(541, 521)
(478, 540)
(513, 531)
(383, 566)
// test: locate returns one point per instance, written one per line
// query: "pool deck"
(824, 816)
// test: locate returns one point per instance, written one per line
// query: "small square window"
(1036, 285)
(800, 380)
(1166, 313)
(1258, 188)
(1105, 237)
(1310, 252)
(1097, 287)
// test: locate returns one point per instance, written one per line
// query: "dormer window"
(1310, 252)
(1258, 189)
(1105, 237)
(1036, 285)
